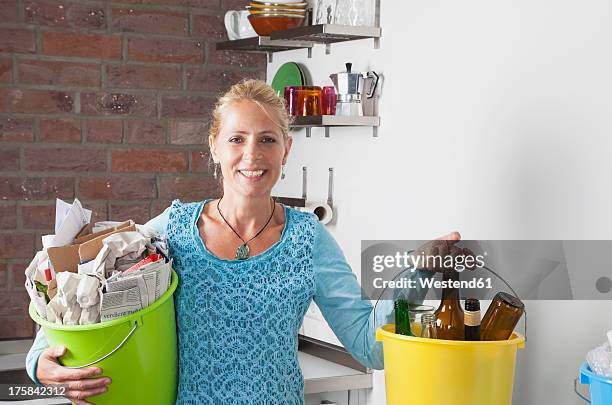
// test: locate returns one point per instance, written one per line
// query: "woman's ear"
(288, 143)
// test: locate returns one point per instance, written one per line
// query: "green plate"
(288, 74)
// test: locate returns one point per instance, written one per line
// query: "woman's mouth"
(252, 174)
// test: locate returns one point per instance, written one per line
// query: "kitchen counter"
(322, 375)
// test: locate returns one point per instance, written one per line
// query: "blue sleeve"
(338, 295)
(160, 222)
(39, 345)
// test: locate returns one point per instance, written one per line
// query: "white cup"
(237, 25)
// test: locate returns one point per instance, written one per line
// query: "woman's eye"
(235, 139)
(268, 139)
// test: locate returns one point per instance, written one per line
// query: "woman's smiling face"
(250, 149)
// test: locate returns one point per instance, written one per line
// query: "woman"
(248, 270)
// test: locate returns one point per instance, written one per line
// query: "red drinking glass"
(328, 100)
(291, 99)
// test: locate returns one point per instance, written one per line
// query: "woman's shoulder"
(303, 224)
(182, 212)
(299, 216)
(178, 204)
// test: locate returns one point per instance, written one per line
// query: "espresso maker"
(349, 88)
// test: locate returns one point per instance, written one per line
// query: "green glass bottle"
(402, 318)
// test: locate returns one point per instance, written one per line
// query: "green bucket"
(138, 351)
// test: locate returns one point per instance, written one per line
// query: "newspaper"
(144, 285)
(123, 284)
(120, 303)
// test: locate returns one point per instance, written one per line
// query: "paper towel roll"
(321, 209)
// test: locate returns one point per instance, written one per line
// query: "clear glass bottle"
(428, 326)
(402, 318)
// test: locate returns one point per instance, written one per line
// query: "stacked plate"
(291, 8)
(289, 74)
(267, 17)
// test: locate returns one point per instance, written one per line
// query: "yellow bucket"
(422, 371)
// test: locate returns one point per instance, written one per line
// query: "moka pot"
(349, 88)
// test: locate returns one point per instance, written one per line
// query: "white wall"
(496, 121)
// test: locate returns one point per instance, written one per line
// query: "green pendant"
(242, 252)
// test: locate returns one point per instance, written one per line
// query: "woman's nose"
(252, 150)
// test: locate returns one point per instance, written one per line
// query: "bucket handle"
(484, 267)
(113, 351)
(578, 393)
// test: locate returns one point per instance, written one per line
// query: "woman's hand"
(79, 386)
(443, 246)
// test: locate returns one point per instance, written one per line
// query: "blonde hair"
(258, 92)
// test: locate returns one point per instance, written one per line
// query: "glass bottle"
(501, 317)
(450, 314)
(428, 326)
(472, 319)
(402, 318)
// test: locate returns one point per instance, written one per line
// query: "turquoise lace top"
(238, 320)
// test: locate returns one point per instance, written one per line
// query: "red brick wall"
(108, 102)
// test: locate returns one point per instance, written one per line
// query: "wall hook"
(330, 188)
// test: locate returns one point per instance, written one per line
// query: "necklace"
(243, 250)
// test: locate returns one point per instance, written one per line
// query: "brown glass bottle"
(472, 319)
(449, 314)
(502, 316)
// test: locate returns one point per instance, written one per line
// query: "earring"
(210, 163)
(283, 172)
(215, 175)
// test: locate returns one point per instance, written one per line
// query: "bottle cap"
(510, 300)
(428, 319)
(472, 304)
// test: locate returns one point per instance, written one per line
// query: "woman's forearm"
(39, 345)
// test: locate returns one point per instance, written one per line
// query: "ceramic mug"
(237, 25)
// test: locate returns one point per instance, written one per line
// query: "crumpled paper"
(116, 246)
(76, 301)
(87, 291)
(72, 315)
(67, 284)
(32, 274)
(55, 311)
(90, 315)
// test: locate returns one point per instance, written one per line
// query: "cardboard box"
(82, 239)
(64, 258)
(67, 258)
(90, 249)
